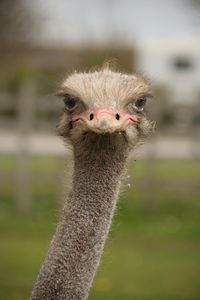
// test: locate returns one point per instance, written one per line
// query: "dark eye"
(140, 103)
(70, 102)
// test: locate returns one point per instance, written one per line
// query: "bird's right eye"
(71, 102)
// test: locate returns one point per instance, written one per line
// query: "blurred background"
(154, 247)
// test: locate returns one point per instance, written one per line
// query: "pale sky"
(124, 21)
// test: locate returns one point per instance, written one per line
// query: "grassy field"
(153, 251)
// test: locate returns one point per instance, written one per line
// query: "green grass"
(153, 251)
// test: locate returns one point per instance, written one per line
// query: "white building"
(174, 63)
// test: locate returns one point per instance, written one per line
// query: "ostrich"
(103, 119)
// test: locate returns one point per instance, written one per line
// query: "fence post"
(25, 125)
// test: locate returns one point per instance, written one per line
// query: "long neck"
(76, 248)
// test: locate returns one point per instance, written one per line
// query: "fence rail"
(25, 116)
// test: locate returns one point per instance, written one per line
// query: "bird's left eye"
(137, 105)
(140, 103)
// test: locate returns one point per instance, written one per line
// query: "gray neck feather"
(75, 251)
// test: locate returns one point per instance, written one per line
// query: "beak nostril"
(117, 116)
(91, 117)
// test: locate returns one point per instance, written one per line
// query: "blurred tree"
(196, 3)
(16, 23)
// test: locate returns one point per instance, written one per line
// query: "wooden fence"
(28, 112)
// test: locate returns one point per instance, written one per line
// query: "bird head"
(104, 103)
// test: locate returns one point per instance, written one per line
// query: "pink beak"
(106, 120)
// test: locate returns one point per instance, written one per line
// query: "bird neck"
(97, 173)
(97, 176)
(96, 182)
(75, 251)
